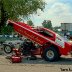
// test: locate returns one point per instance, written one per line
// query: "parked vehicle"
(7, 47)
(51, 45)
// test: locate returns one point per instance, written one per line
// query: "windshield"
(62, 37)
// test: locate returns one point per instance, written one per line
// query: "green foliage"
(13, 9)
(47, 24)
(7, 30)
(30, 23)
(56, 28)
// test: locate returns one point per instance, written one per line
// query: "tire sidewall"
(8, 51)
(55, 57)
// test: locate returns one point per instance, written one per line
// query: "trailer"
(51, 45)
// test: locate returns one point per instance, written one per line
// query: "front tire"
(7, 49)
(51, 54)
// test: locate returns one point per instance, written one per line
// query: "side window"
(46, 33)
(49, 34)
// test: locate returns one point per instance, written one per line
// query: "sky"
(58, 11)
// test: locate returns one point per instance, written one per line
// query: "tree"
(47, 24)
(12, 9)
(30, 23)
(6, 30)
(56, 28)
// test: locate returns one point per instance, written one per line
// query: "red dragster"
(51, 45)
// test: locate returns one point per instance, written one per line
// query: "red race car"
(50, 45)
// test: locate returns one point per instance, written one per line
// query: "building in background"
(66, 29)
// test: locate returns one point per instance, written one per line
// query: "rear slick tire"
(51, 54)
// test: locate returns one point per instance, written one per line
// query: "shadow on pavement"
(62, 61)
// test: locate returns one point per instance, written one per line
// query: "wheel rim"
(7, 49)
(50, 54)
